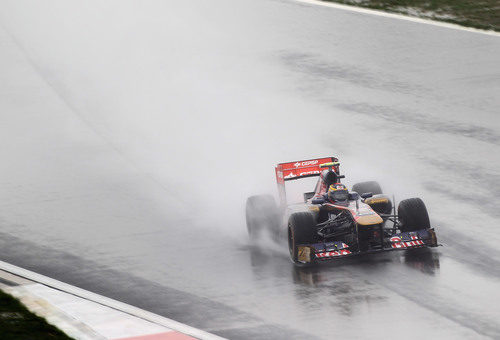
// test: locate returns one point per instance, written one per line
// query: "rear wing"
(299, 169)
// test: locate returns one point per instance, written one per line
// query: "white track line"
(397, 16)
(140, 313)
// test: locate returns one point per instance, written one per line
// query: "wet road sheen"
(133, 132)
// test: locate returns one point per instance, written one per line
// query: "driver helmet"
(338, 192)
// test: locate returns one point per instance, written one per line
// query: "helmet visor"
(339, 195)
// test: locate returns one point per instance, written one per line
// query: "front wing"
(317, 252)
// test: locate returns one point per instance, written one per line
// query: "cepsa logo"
(307, 163)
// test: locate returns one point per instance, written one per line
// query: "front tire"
(413, 215)
(365, 187)
(300, 231)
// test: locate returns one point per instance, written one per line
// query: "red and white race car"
(333, 222)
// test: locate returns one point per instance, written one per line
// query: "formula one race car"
(333, 222)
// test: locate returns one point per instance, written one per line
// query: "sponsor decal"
(306, 163)
(408, 244)
(304, 173)
(333, 253)
(378, 200)
(304, 254)
(313, 172)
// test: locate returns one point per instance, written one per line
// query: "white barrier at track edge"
(126, 308)
(397, 16)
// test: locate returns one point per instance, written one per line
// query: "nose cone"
(369, 219)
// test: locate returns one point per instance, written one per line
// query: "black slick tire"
(300, 231)
(412, 215)
(365, 187)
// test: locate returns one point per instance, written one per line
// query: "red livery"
(333, 221)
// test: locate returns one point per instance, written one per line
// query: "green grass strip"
(18, 323)
(482, 14)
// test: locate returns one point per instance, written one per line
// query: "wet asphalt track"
(132, 132)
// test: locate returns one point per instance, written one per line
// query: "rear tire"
(262, 213)
(300, 231)
(412, 215)
(365, 187)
